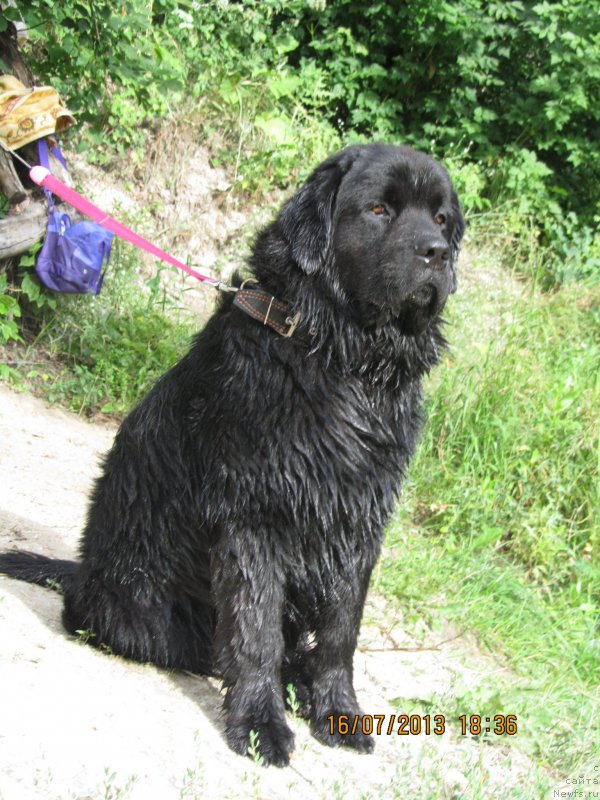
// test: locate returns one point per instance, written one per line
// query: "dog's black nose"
(435, 252)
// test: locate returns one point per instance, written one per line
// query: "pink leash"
(43, 177)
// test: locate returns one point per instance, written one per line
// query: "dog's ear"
(306, 219)
(457, 234)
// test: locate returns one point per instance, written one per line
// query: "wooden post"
(11, 55)
(22, 228)
(25, 223)
(10, 183)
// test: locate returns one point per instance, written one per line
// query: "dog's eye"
(379, 209)
(439, 219)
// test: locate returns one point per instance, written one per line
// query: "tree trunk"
(25, 222)
(22, 228)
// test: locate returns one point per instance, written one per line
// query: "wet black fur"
(241, 508)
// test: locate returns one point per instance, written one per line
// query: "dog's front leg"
(248, 589)
(334, 704)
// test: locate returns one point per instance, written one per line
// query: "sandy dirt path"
(75, 723)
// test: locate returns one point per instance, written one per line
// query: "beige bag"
(28, 114)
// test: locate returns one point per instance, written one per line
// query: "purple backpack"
(74, 256)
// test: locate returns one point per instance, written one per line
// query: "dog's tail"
(52, 573)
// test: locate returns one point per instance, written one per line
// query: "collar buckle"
(293, 324)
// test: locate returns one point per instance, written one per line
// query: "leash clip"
(225, 287)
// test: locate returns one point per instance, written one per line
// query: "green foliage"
(31, 293)
(111, 63)
(291, 699)
(261, 106)
(9, 313)
(509, 92)
(510, 456)
(502, 77)
(254, 748)
(112, 359)
(9, 14)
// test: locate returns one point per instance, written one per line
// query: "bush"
(514, 88)
(497, 77)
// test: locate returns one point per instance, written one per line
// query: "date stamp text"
(418, 724)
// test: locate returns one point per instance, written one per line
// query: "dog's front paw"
(338, 729)
(269, 742)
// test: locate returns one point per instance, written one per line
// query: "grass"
(498, 531)
(510, 455)
(545, 652)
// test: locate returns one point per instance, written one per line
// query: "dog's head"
(384, 222)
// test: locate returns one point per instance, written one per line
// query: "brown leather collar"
(261, 305)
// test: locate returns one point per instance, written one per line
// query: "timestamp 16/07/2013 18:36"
(417, 724)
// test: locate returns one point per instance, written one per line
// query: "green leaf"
(278, 129)
(31, 287)
(284, 86)
(285, 43)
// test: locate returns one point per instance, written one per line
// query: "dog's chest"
(301, 443)
(340, 453)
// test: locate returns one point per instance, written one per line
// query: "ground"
(77, 723)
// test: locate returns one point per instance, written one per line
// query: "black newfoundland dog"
(241, 508)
